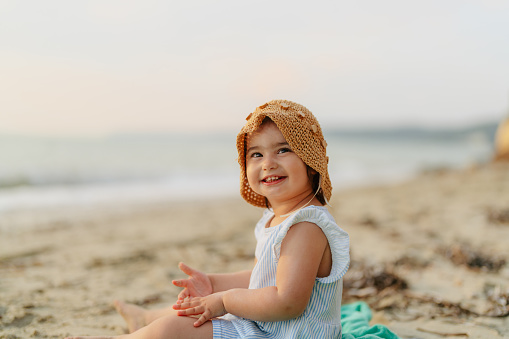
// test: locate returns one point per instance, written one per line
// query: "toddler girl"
(295, 287)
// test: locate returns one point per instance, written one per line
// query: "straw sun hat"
(302, 132)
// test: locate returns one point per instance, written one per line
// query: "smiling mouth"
(273, 179)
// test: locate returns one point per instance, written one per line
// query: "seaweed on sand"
(363, 281)
(383, 289)
(499, 301)
(464, 255)
(498, 216)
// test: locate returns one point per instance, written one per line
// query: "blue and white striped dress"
(321, 318)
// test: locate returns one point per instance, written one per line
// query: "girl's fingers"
(201, 320)
(192, 311)
(180, 283)
(186, 269)
(183, 304)
(183, 294)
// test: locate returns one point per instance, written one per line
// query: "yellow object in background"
(502, 141)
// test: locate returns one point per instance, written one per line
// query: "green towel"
(355, 323)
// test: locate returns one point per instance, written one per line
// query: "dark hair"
(314, 177)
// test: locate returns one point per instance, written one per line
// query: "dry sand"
(429, 255)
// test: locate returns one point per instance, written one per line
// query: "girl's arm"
(302, 251)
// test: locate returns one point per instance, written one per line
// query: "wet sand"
(429, 255)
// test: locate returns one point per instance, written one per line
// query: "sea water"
(44, 172)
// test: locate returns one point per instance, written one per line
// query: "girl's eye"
(284, 150)
(255, 155)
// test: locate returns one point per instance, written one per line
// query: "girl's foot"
(133, 315)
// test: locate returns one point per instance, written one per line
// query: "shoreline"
(71, 203)
(442, 233)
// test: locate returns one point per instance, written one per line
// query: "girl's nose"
(269, 163)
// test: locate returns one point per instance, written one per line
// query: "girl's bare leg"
(167, 327)
(137, 317)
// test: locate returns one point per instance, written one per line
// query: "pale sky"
(114, 66)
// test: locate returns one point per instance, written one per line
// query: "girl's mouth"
(273, 179)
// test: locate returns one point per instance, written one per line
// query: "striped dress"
(321, 318)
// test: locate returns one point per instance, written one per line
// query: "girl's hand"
(197, 284)
(207, 307)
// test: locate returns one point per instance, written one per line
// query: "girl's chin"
(276, 198)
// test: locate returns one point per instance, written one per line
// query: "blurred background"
(106, 102)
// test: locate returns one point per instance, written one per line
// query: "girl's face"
(273, 170)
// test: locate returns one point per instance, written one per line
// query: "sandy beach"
(429, 256)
